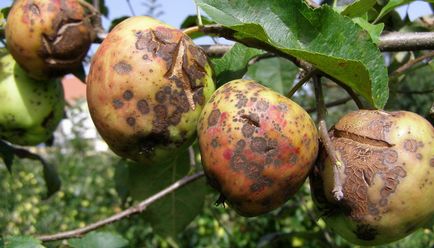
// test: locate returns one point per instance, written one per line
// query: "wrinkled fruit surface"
(47, 37)
(147, 85)
(257, 146)
(388, 176)
(30, 110)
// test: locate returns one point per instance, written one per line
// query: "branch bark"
(126, 213)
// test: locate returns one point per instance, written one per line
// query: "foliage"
(342, 41)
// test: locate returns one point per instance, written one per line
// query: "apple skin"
(147, 85)
(257, 146)
(387, 177)
(30, 110)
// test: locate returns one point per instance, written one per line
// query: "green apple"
(30, 110)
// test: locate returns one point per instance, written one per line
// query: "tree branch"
(399, 41)
(410, 64)
(126, 213)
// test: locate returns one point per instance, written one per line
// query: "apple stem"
(309, 74)
(325, 139)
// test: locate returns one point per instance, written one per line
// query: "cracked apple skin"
(48, 38)
(257, 146)
(147, 85)
(387, 177)
(30, 110)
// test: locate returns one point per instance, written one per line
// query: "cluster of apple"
(150, 90)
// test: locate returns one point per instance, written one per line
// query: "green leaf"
(392, 4)
(3, 15)
(52, 179)
(116, 21)
(171, 214)
(233, 65)
(275, 73)
(7, 154)
(99, 239)
(121, 180)
(358, 8)
(22, 242)
(331, 42)
(373, 30)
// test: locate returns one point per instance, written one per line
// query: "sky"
(175, 11)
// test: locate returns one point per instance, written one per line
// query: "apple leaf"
(358, 8)
(22, 242)
(171, 214)
(392, 4)
(374, 30)
(331, 42)
(233, 65)
(275, 73)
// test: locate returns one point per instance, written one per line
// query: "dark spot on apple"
(390, 156)
(34, 8)
(128, 95)
(131, 121)
(214, 143)
(123, 67)
(258, 144)
(262, 105)
(247, 130)
(117, 103)
(160, 111)
(160, 96)
(410, 145)
(214, 117)
(431, 162)
(143, 106)
(365, 232)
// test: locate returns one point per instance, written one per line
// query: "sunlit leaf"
(331, 42)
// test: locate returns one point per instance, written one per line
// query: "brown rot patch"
(117, 103)
(365, 232)
(247, 130)
(160, 111)
(142, 106)
(34, 8)
(122, 67)
(258, 144)
(431, 162)
(410, 145)
(128, 95)
(390, 157)
(262, 105)
(213, 117)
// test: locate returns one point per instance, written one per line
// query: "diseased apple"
(257, 146)
(387, 177)
(147, 85)
(48, 38)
